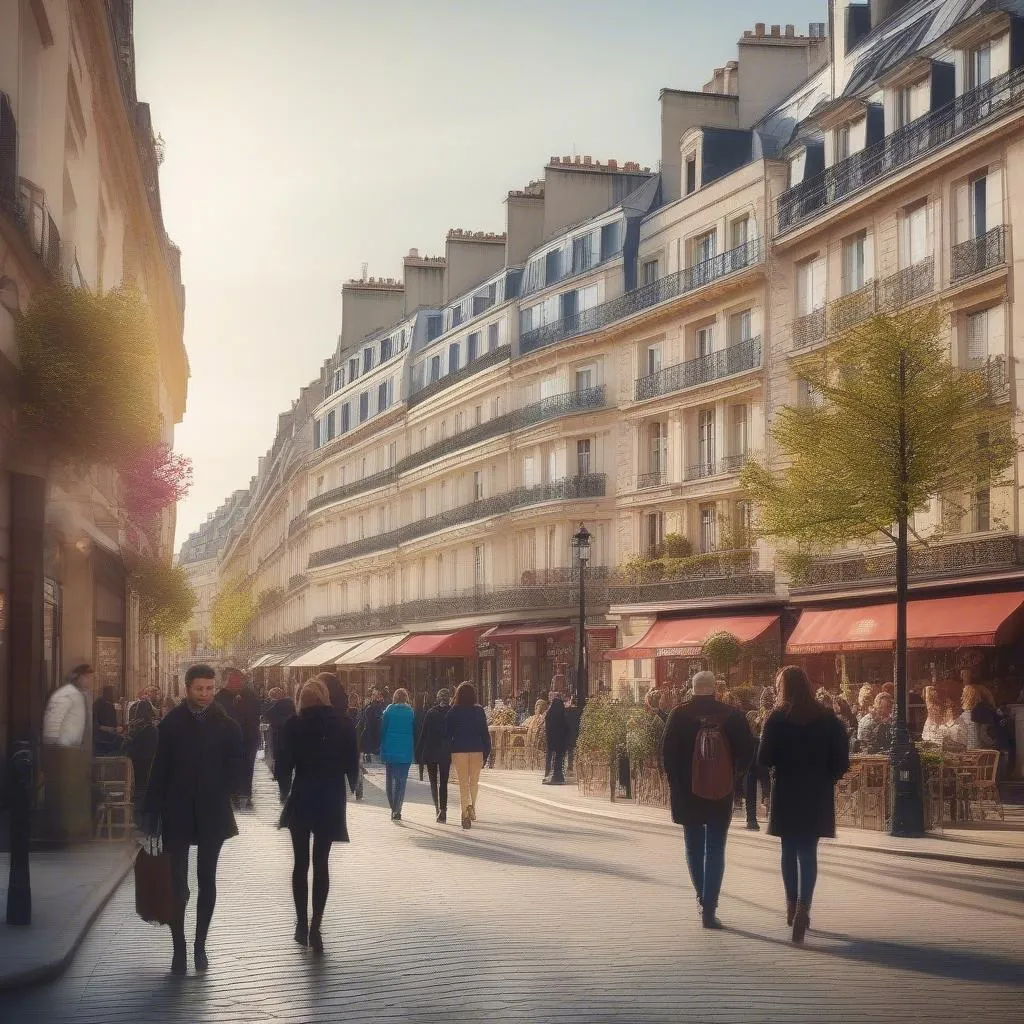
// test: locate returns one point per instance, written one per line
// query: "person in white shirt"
(66, 760)
(67, 711)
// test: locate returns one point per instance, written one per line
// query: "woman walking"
(470, 744)
(432, 751)
(318, 752)
(808, 750)
(397, 726)
(556, 731)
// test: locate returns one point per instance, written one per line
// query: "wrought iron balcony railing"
(997, 378)
(655, 478)
(737, 358)
(902, 147)
(809, 329)
(977, 255)
(669, 287)
(483, 362)
(570, 488)
(542, 596)
(944, 560)
(710, 467)
(537, 412)
(300, 579)
(296, 523)
(692, 588)
(903, 287)
(851, 309)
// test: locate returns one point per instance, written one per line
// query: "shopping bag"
(154, 894)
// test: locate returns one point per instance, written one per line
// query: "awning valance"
(370, 649)
(325, 653)
(684, 638)
(460, 644)
(527, 631)
(979, 620)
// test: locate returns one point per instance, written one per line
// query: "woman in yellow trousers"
(470, 745)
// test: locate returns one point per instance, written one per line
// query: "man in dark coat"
(279, 709)
(195, 773)
(556, 729)
(705, 821)
(242, 705)
(373, 715)
(106, 740)
(434, 751)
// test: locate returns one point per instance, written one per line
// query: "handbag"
(154, 892)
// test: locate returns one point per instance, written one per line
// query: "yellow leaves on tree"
(166, 598)
(232, 612)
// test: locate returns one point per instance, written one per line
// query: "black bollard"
(19, 887)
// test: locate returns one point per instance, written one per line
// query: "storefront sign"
(108, 663)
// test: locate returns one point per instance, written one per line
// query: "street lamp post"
(581, 547)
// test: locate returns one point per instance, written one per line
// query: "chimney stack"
(790, 32)
(759, 29)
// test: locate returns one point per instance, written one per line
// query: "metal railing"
(529, 415)
(300, 579)
(900, 289)
(297, 523)
(655, 478)
(995, 372)
(809, 329)
(930, 132)
(737, 358)
(977, 255)
(480, 600)
(665, 288)
(947, 559)
(483, 362)
(569, 488)
(693, 588)
(851, 309)
(709, 468)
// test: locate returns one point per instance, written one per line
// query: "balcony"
(995, 372)
(537, 412)
(978, 255)
(809, 329)
(737, 358)
(656, 478)
(665, 288)
(851, 309)
(709, 468)
(300, 579)
(1001, 553)
(296, 523)
(550, 592)
(716, 574)
(484, 362)
(925, 135)
(572, 488)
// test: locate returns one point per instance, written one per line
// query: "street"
(542, 916)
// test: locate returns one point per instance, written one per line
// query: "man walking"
(196, 770)
(707, 744)
(67, 810)
(434, 750)
(373, 715)
(243, 706)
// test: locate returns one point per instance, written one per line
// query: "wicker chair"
(515, 752)
(979, 780)
(114, 782)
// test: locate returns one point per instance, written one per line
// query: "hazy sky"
(306, 137)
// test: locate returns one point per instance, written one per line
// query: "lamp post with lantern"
(581, 549)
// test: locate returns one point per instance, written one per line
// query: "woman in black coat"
(141, 748)
(557, 733)
(434, 751)
(808, 751)
(318, 752)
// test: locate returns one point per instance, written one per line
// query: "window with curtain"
(708, 529)
(977, 338)
(706, 439)
(583, 456)
(854, 262)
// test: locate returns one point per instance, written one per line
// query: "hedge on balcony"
(640, 570)
(89, 374)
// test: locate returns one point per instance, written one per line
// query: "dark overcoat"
(807, 759)
(198, 766)
(556, 727)
(433, 746)
(681, 729)
(244, 707)
(373, 714)
(318, 753)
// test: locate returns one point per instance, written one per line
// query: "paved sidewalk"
(993, 843)
(69, 889)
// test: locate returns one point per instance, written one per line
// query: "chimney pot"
(759, 29)
(790, 31)
(776, 29)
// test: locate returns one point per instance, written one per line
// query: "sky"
(305, 138)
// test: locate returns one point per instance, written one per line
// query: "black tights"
(300, 874)
(207, 855)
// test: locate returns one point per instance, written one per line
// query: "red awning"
(980, 620)
(682, 638)
(461, 644)
(527, 631)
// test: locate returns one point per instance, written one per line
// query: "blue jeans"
(799, 867)
(705, 858)
(395, 778)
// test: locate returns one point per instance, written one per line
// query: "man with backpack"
(707, 745)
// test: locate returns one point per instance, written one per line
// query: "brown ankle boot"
(801, 921)
(790, 912)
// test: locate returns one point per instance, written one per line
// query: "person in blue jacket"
(397, 748)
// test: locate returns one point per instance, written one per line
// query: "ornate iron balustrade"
(300, 579)
(655, 478)
(997, 379)
(924, 135)
(851, 309)
(483, 362)
(903, 287)
(537, 412)
(570, 488)
(737, 358)
(949, 559)
(668, 287)
(297, 522)
(481, 600)
(809, 329)
(977, 255)
(726, 464)
(693, 588)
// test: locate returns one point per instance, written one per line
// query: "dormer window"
(690, 184)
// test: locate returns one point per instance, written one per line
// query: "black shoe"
(316, 942)
(753, 826)
(302, 934)
(179, 962)
(202, 960)
(442, 817)
(710, 921)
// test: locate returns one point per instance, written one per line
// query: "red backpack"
(711, 775)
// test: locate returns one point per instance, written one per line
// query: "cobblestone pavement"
(541, 916)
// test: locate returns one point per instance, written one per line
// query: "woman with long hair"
(318, 753)
(470, 744)
(808, 751)
(397, 748)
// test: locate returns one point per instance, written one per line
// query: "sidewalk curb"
(74, 932)
(753, 837)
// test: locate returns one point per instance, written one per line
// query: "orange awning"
(460, 644)
(684, 638)
(980, 620)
